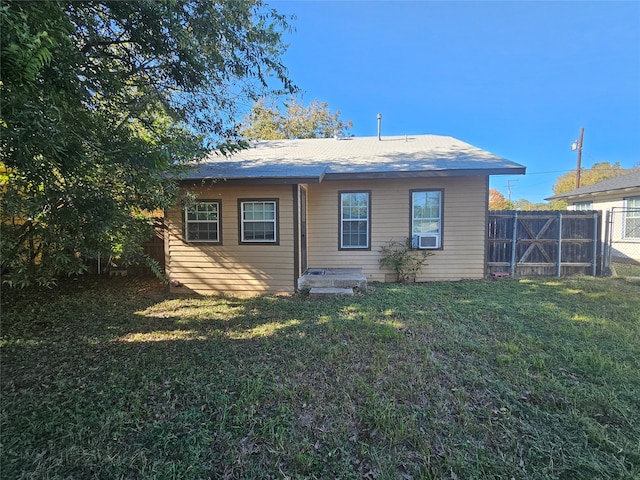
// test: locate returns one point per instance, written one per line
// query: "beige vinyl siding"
(463, 225)
(232, 268)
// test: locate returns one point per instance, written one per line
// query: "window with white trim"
(632, 218)
(258, 221)
(426, 218)
(355, 225)
(202, 222)
(583, 205)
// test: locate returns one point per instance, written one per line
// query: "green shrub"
(403, 259)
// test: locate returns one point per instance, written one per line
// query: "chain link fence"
(622, 242)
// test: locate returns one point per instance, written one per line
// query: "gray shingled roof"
(631, 180)
(315, 159)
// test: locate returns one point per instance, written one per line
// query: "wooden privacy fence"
(552, 243)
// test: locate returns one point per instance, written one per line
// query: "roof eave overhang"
(611, 191)
(568, 197)
(351, 176)
(251, 181)
(426, 173)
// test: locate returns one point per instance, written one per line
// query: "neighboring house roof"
(623, 182)
(312, 160)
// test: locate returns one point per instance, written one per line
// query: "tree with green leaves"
(268, 121)
(527, 205)
(597, 173)
(103, 103)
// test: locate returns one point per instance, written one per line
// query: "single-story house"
(258, 219)
(619, 198)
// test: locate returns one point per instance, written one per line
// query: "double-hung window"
(258, 221)
(632, 218)
(355, 220)
(426, 218)
(202, 222)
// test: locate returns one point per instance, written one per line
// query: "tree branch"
(103, 43)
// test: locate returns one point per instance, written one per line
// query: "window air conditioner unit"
(426, 241)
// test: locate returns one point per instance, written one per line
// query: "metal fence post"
(606, 248)
(595, 245)
(559, 244)
(512, 266)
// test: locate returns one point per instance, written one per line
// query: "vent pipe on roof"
(379, 125)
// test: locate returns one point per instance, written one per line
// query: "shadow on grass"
(483, 379)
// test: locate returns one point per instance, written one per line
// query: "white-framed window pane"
(633, 204)
(355, 206)
(426, 213)
(259, 231)
(354, 221)
(426, 226)
(259, 221)
(583, 206)
(202, 222)
(203, 231)
(632, 218)
(355, 233)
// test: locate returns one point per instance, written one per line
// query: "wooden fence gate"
(551, 243)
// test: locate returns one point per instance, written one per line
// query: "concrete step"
(319, 291)
(333, 278)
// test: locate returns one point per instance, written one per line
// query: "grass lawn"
(528, 379)
(626, 269)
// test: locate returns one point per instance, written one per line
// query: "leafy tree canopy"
(102, 102)
(497, 201)
(527, 205)
(565, 183)
(597, 173)
(268, 121)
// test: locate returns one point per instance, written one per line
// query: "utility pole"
(509, 182)
(578, 146)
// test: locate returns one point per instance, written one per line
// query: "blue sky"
(518, 79)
